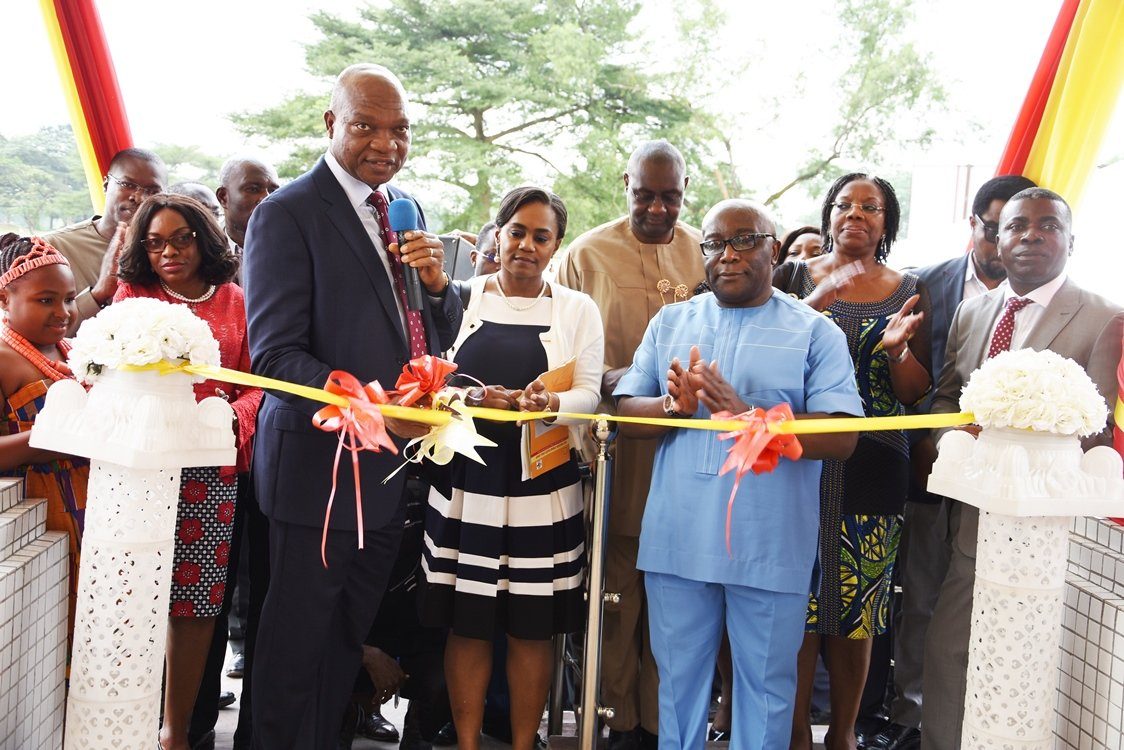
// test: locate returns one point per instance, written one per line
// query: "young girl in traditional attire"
(37, 297)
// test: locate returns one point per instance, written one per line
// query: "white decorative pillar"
(1028, 486)
(139, 429)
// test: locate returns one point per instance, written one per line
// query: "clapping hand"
(682, 383)
(715, 393)
(831, 287)
(901, 327)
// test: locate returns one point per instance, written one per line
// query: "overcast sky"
(184, 67)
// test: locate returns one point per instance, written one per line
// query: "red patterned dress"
(205, 518)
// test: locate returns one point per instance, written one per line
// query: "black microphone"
(404, 218)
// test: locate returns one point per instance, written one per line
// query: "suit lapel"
(1058, 314)
(991, 309)
(342, 215)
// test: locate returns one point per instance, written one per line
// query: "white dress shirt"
(1026, 318)
(358, 192)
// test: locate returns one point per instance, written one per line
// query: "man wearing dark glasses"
(925, 547)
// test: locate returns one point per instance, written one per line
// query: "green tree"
(189, 163)
(887, 91)
(508, 87)
(42, 184)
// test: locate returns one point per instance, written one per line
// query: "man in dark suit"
(324, 291)
(925, 546)
(1039, 309)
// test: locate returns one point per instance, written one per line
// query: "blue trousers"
(766, 628)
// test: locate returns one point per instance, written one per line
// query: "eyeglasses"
(990, 229)
(742, 243)
(133, 187)
(866, 208)
(179, 241)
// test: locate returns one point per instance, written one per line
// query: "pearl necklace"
(534, 301)
(189, 300)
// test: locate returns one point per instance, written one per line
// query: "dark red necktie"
(1001, 339)
(414, 325)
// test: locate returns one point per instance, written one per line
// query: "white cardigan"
(575, 332)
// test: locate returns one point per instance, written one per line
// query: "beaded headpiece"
(42, 254)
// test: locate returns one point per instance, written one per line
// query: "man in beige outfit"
(633, 266)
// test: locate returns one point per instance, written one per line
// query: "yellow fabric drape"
(1082, 100)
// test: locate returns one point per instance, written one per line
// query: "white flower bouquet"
(1032, 390)
(141, 332)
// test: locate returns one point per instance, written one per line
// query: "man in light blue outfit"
(744, 346)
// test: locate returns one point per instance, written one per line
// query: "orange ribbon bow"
(421, 378)
(360, 425)
(755, 449)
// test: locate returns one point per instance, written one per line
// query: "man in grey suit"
(925, 546)
(1048, 311)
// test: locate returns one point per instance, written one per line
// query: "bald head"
(201, 193)
(368, 124)
(654, 184)
(244, 182)
(657, 152)
(739, 210)
(740, 272)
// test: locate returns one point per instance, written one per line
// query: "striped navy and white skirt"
(503, 555)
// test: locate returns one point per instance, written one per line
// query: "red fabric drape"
(1030, 116)
(94, 78)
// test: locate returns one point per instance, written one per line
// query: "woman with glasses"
(504, 543)
(884, 315)
(176, 252)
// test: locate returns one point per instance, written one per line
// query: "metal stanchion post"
(591, 657)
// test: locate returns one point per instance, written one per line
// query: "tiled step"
(11, 493)
(1100, 530)
(20, 525)
(1091, 686)
(33, 613)
(1097, 562)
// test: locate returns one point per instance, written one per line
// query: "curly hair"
(893, 212)
(218, 266)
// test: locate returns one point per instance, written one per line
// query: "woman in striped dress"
(504, 555)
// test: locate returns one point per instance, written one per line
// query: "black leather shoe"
(895, 737)
(375, 727)
(226, 698)
(446, 736)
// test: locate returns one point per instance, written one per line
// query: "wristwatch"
(669, 407)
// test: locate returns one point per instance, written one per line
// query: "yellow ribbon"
(1118, 414)
(438, 418)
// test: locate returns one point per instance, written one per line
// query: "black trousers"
(313, 623)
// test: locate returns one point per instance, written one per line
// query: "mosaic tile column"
(139, 429)
(1028, 486)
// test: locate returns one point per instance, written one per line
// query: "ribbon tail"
(407, 459)
(331, 499)
(358, 492)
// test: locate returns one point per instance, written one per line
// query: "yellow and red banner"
(89, 84)
(1071, 99)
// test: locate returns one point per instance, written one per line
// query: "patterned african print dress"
(205, 513)
(62, 482)
(861, 499)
